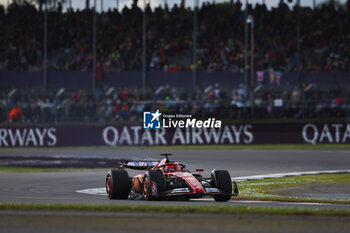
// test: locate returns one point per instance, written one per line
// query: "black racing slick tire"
(153, 185)
(118, 184)
(222, 180)
(235, 189)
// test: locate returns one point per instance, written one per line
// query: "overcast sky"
(189, 3)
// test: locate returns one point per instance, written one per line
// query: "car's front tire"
(118, 184)
(221, 179)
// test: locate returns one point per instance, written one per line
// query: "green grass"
(225, 210)
(203, 147)
(263, 189)
(249, 190)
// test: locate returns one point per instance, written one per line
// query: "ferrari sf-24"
(167, 179)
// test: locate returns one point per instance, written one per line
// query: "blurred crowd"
(324, 38)
(126, 105)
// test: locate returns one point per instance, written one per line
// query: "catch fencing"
(82, 80)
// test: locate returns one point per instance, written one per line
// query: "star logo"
(151, 120)
(156, 115)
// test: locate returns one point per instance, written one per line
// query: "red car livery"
(168, 180)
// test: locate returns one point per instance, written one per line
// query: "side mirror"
(199, 169)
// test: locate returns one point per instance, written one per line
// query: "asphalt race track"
(61, 187)
(237, 162)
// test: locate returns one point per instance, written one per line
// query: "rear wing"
(140, 165)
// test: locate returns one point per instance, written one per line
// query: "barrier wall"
(77, 79)
(135, 135)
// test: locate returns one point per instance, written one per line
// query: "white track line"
(290, 174)
(102, 191)
(94, 191)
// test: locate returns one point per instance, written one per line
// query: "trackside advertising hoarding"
(137, 135)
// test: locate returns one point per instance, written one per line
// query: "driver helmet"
(171, 168)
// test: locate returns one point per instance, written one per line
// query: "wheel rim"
(145, 186)
(108, 186)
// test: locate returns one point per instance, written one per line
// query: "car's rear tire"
(118, 184)
(153, 185)
(221, 179)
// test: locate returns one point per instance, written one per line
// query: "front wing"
(189, 193)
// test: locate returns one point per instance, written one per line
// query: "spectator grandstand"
(324, 41)
(127, 104)
(324, 37)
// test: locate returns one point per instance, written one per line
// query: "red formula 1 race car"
(168, 180)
